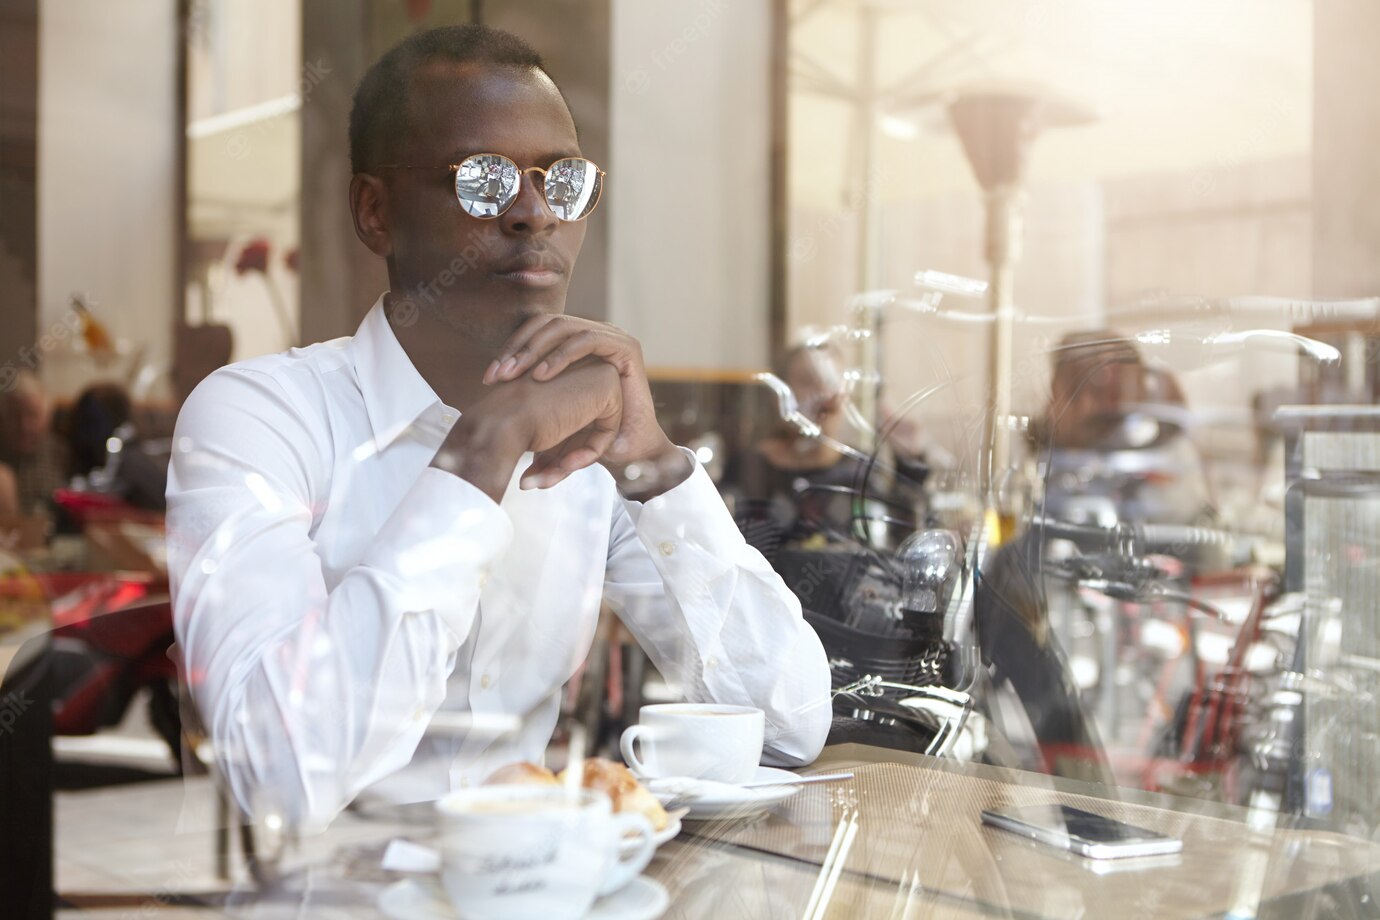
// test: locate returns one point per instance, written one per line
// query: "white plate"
(723, 800)
(425, 899)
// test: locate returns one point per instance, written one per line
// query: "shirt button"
(447, 419)
(485, 681)
(667, 548)
(712, 663)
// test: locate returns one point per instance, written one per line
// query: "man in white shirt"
(388, 552)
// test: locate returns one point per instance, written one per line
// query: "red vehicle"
(111, 632)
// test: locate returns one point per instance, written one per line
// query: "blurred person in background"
(1115, 448)
(806, 486)
(28, 445)
(1116, 438)
(1114, 443)
(98, 412)
(137, 471)
(426, 516)
(9, 494)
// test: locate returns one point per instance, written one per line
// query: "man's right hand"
(568, 422)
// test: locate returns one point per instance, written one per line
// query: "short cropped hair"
(1081, 353)
(380, 110)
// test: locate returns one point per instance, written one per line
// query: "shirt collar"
(395, 394)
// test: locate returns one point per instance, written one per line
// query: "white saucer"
(762, 776)
(641, 899)
(765, 776)
(423, 898)
(665, 835)
(708, 800)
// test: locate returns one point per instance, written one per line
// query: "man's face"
(1088, 398)
(814, 377)
(485, 276)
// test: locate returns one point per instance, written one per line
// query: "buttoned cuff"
(438, 545)
(692, 513)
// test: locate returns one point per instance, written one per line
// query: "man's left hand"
(547, 345)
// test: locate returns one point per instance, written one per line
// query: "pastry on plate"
(521, 773)
(628, 795)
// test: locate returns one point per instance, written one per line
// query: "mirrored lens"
(572, 187)
(487, 184)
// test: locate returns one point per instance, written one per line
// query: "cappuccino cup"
(700, 740)
(511, 852)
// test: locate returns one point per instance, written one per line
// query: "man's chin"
(529, 311)
(527, 300)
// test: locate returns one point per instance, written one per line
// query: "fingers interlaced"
(547, 345)
(580, 345)
(516, 349)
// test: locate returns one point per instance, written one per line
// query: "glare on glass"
(487, 184)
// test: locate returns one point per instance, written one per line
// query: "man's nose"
(529, 213)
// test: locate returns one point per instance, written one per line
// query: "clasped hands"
(574, 392)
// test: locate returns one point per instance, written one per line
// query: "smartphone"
(1100, 867)
(1082, 832)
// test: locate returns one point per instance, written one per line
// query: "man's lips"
(533, 269)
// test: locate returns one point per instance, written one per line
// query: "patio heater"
(997, 126)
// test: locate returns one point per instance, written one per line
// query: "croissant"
(521, 773)
(628, 795)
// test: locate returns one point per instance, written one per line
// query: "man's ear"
(369, 207)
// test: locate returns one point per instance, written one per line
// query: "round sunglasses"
(487, 184)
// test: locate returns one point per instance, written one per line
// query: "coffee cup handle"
(625, 744)
(625, 869)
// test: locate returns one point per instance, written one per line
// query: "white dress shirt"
(335, 596)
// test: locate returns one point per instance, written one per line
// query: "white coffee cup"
(535, 851)
(703, 740)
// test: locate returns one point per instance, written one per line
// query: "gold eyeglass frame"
(522, 173)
